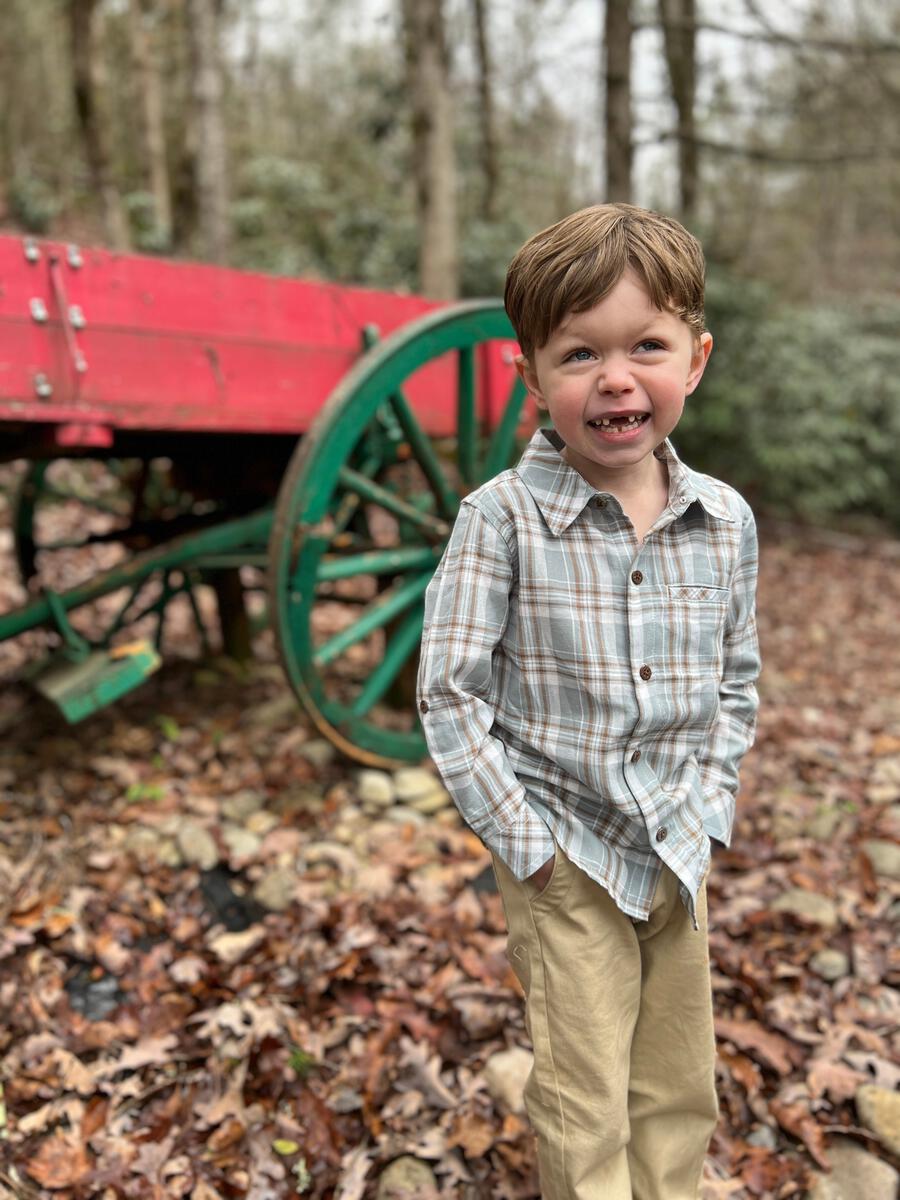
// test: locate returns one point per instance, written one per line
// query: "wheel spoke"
(350, 503)
(377, 562)
(501, 447)
(354, 482)
(388, 605)
(403, 641)
(423, 451)
(466, 431)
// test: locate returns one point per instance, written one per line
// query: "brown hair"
(573, 264)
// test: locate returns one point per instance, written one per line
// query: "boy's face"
(623, 362)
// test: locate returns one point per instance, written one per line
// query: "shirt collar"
(561, 493)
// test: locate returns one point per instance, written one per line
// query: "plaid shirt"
(577, 685)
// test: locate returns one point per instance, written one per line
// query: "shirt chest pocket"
(695, 620)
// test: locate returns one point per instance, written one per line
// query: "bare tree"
(143, 49)
(678, 19)
(486, 112)
(211, 160)
(87, 82)
(617, 75)
(427, 65)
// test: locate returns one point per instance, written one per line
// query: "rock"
(412, 782)
(448, 817)
(824, 824)
(197, 845)
(273, 712)
(808, 905)
(168, 854)
(275, 890)
(763, 1135)
(375, 787)
(407, 1178)
(432, 802)
(261, 822)
(240, 805)
(830, 964)
(884, 782)
(879, 1110)
(241, 843)
(319, 751)
(506, 1074)
(885, 857)
(142, 841)
(299, 799)
(855, 1175)
(402, 815)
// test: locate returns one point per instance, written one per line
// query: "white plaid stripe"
(535, 634)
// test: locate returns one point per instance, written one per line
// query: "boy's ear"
(528, 375)
(702, 350)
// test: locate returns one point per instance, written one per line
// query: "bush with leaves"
(799, 407)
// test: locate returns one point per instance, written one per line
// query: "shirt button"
(636, 756)
(661, 833)
(637, 577)
(423, 706)
(600, 502)
(645, 672)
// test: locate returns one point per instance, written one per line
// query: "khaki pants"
(622, 1094)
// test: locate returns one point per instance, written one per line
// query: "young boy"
(587, 691)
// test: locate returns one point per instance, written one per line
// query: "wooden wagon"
(203, 420)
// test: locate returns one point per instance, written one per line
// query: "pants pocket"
(551, 896)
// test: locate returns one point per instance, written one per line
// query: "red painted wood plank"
(189, 347)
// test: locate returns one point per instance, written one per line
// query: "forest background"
(415, 144)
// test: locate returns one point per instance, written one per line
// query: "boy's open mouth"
(624, 423)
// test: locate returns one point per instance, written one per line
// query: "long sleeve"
(466, 610)
(732, 734)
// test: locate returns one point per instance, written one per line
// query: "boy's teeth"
(628, 424)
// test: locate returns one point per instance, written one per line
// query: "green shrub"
(799, 407)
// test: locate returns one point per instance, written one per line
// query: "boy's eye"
(650, 344)
(576, 354)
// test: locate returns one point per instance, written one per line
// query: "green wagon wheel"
(362, 518)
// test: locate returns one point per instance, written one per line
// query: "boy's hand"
(541, 877)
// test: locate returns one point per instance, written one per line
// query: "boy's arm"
(466, 608)
(732, 734)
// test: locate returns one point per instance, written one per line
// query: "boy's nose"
(615, 379)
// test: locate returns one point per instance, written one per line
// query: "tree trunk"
(678, 18)
(143, 49)
(617, 73)
(433, 151)
(212, 175)
(87, 80)
(486, 105)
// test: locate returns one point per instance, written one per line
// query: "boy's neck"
(645, 480)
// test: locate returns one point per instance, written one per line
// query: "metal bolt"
(76, 316)
(38, 310)
(73, 254)
(32, 250)
(42, 386)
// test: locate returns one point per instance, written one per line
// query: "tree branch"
(773, 37)
(760, 154)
